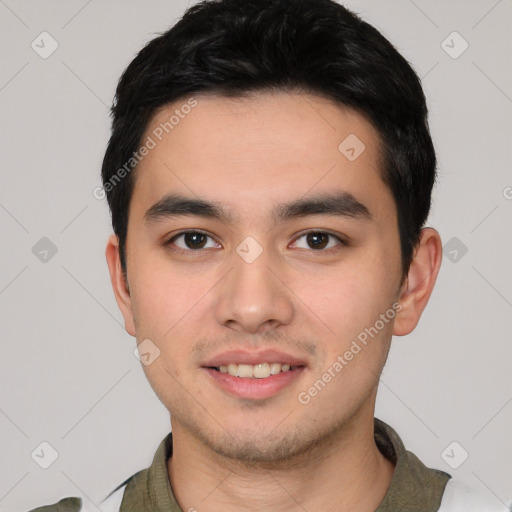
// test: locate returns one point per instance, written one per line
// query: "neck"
(344, 473)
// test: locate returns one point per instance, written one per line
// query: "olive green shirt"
(414, 487)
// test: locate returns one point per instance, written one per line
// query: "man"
(269, 176)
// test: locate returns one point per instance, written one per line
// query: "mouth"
(254, 376)
(255, 371)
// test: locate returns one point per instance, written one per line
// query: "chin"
(251, 449)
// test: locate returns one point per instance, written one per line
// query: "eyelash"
(169, 242)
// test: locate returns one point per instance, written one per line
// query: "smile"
(254, 382)
(256, 371)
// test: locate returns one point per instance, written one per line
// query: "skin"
(250, 154)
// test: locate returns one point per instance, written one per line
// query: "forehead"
(259, 149)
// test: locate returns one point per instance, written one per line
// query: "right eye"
(192, 241)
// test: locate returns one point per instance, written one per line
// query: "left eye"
(319, 240)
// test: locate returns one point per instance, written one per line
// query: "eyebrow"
(342, 204)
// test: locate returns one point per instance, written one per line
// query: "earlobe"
(420, 281)
(119, 284)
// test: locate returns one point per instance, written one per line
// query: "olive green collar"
(414, 487)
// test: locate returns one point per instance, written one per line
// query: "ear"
(420, 281)
(119, 284)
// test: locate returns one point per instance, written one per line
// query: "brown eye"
(320, 240)
(188, 241)
(317, 240)
(194, 240)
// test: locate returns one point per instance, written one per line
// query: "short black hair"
(235, 47)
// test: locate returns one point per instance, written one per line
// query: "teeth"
(257, 371)
(275, 368)
(245, 370)
(260, 371)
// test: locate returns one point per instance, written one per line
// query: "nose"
(252, 298)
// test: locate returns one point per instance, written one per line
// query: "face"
(257, 243)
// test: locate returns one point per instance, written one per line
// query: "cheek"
(348, 300)
(162, 297)
(168, 305)
(164, 381)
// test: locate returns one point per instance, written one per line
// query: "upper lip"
(253, 358)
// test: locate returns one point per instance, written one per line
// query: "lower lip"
(255, 389)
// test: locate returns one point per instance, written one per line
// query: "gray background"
(68, 375)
